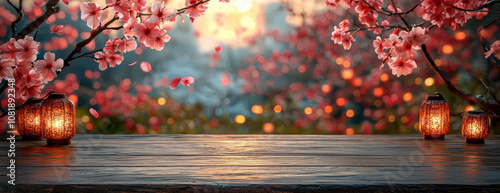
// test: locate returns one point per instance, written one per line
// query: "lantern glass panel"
(28, 118)
(475, 126)
(58, 119)
(434, 117)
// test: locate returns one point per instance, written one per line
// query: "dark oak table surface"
(254, 163)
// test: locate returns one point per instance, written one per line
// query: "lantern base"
(31, 137)
(433, 137)
(478, 141)
(58, 141)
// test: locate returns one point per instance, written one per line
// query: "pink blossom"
(332, 3)
(114, 59)
(346, 40)
(28, 48)
(344, 25)
(378, 44)
(160, 40)
(417, 36)
(120, 7)
(126, 45)
(495, 49)
(174, 82)
(6, 70)
(49, 66)
(102, 60)
(187, 80)
(195, 11)
(402, 67)
(9, 50)
(146, 32)
(110, 46)
(405, 50)
(92, 13)
(160, 13)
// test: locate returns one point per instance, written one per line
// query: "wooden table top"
(220, 163)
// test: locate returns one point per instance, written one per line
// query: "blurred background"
(278, 73)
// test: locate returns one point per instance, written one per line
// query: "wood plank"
(240, 162)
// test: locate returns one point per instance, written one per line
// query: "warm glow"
(339, 60)
(447, 49)
(257, 109)
(384, 77)
(73, 98)
(58, 123)
(407, 97)
(357, 82)
(349, 131)
(347, 74)
(277, 109)
(85, 118)
(243, 5)
(308, 110)
(326, 88)
(341, 102)
(268, 127)
(429, 81)
(247, 22)
(468, 108)
(170, 121)
(460, 35)
(161, 101)
(438, 62)
(418, 81)
(240, 119)
(378, 92)
(391, 118)
(328, 109)
(27, 120)
(349, 113)
(346, 64)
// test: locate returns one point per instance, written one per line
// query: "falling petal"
(145, 66)
(218, 48)
(187, 80)
(175, 82)
(94, 113)
(133, 63)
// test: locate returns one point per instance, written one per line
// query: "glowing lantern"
(475, 127)
(28, 120)
(58, 119)
(434, 117)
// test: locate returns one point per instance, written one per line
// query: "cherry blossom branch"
(19, 11)
(404, 12)
(80, 45)
(50, 9)
(480, 8)
(491, 105)
(381, 11)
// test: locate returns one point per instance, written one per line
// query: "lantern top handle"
(56, 96)
(437, 96)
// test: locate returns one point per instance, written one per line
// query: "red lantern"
(28, 120)
(434, 117)
(475, 126)
(58, 119)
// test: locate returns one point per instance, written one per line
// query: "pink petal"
(145, 66)
(218, 48)
(187, 80)
(39, 3)
(175, 82)
(133, 63)
(65, 1)
(94, 113)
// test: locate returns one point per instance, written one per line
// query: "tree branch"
(50, 9)
(19, 11)
(490, 91)
(491, 60)
(490, 105)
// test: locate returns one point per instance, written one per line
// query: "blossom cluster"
(401, 49)
(19, 61)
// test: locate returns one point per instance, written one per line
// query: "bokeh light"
(240, 119)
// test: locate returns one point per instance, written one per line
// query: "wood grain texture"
(255, 163)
